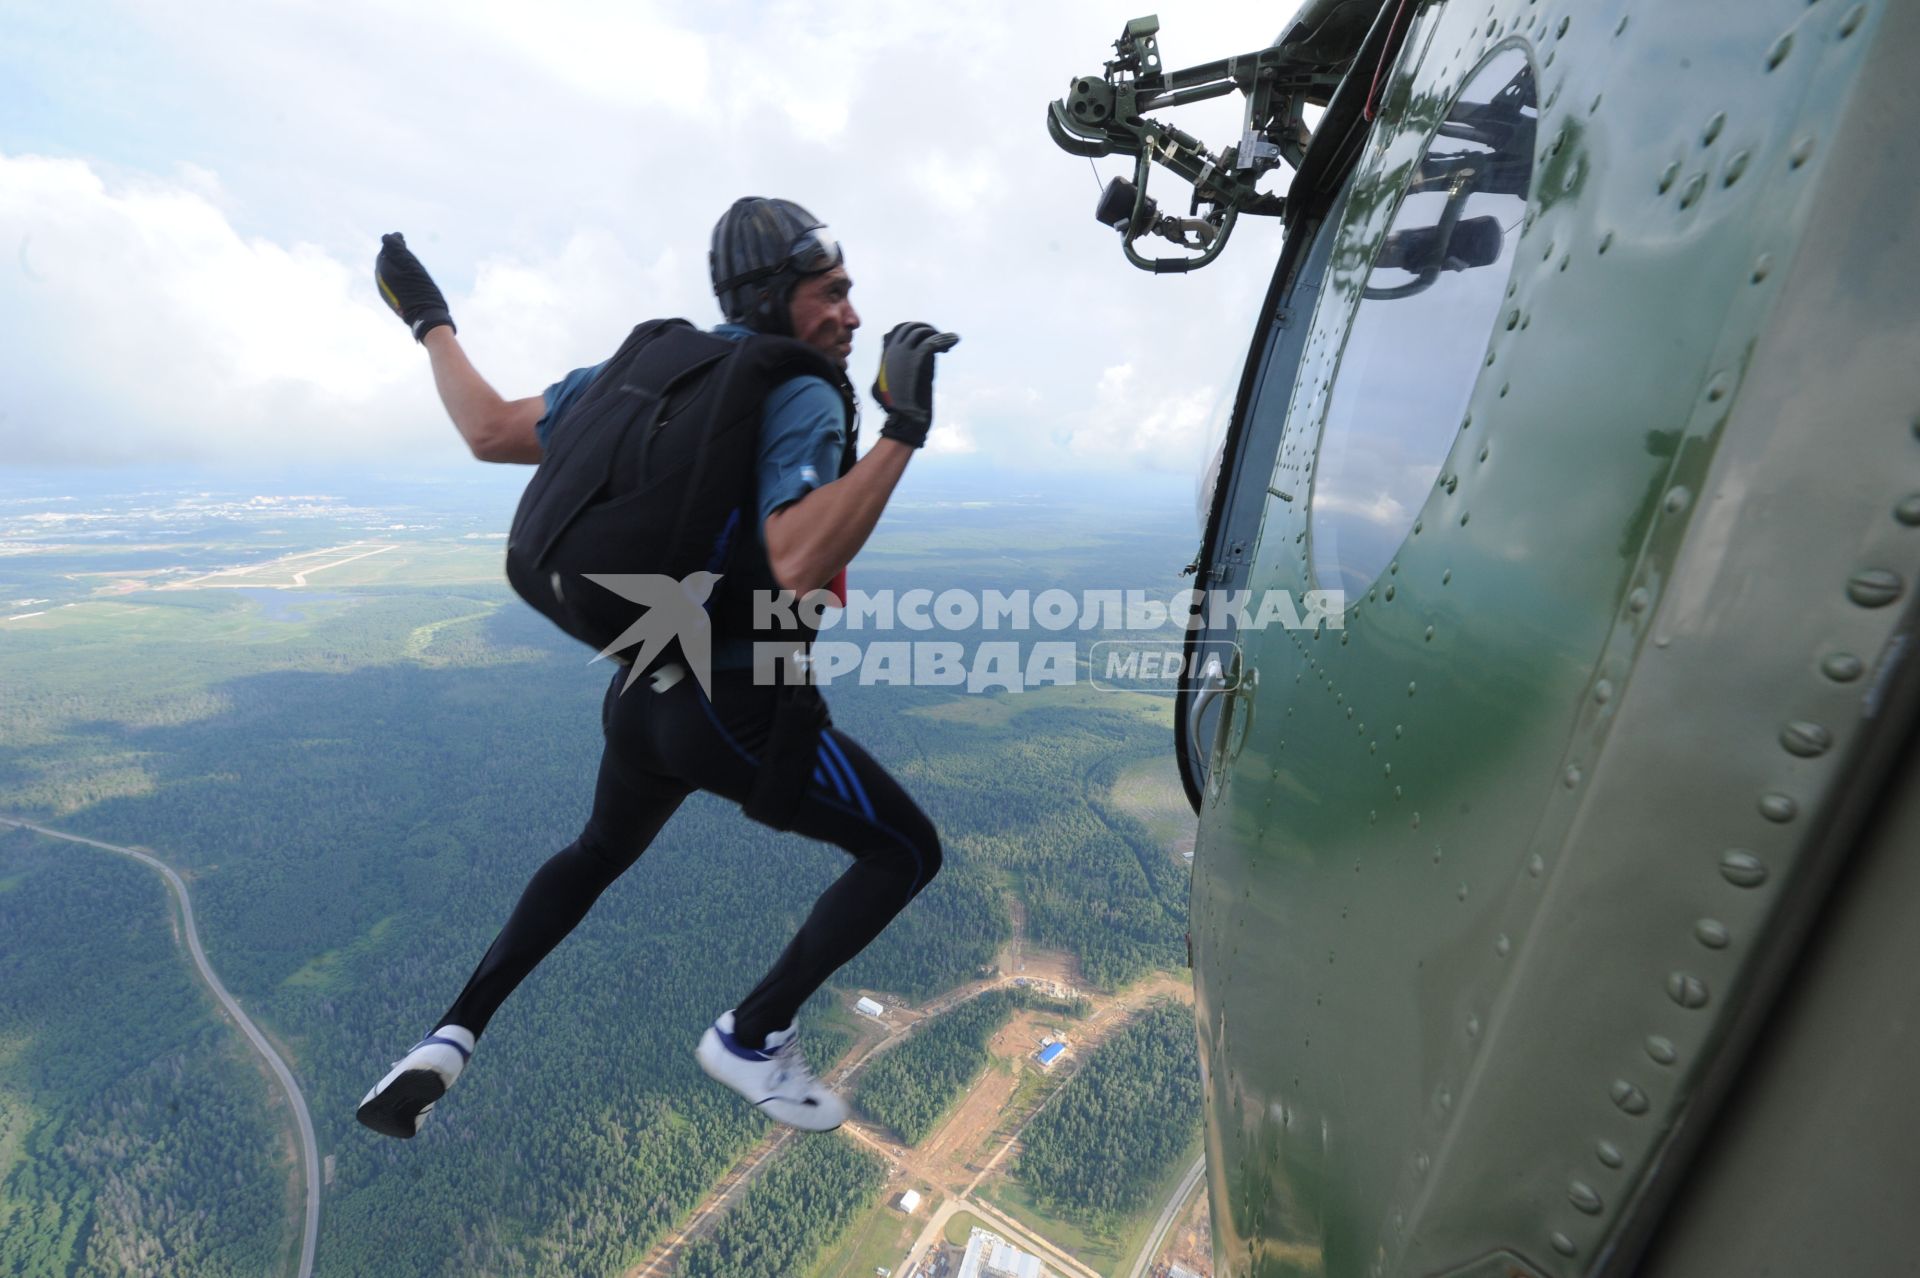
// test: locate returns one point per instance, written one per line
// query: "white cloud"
(194, 274)
(1150, 422)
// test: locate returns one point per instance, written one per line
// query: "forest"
(910, 1087)
(1120, 1123)
(813, 1189)
(356, 799)
(123, 1092)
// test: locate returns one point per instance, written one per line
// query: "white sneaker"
(401, 1101)
(776, 1079)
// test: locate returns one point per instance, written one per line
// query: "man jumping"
(776, 270)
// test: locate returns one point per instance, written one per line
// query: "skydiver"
(776, 269)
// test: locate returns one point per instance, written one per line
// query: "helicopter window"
(1421, 326)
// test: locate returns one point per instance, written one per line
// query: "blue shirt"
(803, 430)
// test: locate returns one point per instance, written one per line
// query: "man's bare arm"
(810, 540)
(496, 429)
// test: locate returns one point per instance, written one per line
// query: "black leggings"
(662, 746)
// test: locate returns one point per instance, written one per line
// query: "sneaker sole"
(701, 1055)
(396, 1110)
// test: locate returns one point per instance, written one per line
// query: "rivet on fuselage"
(1584, 1198)
(1562, 1243)
(1908, 511)
(1536, 866)
(1502, 946)
(1668, 176)
(1842, 667)
(1778, 53)
(1808, 740)
(1712, 933)
(1677, 499)
(1638, 601)
(1802, 151)
(1736, 168)
(1687, 990)
(1690, 196)
(1874, 587)
(1851, 23)
(1778, 808)
(1661, 1050)
(1603, 692)
(1742, 868)
(1762, 267)
(1629, 1099)
(1606, 241)
(1570, 778)
(1609, 1154)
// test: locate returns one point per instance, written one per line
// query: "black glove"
(407, 288)
(905, 384)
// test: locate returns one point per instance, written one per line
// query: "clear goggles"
(815, 251)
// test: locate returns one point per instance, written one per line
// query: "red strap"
(1386, 55)
(838, 587)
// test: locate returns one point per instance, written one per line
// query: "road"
(902, 1022)
(310, 1157)
(1167, 1217)
(660, 1260)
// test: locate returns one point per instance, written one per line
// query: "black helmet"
(761, 249)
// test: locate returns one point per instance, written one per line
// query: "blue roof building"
(1051, 1053)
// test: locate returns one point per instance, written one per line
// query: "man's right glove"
(407, 289)
(905, 384)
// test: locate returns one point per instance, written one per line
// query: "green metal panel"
(1493, 882)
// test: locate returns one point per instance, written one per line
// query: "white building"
(867, 1007)
(991, 1256)
(910, 1201)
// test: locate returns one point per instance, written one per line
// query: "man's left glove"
(407, 288)
(905, 384)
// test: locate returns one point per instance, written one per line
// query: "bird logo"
(675, 609)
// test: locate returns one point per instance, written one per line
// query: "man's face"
(823, 315)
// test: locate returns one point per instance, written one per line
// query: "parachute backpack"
(651, 471)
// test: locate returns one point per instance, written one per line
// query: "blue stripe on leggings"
(853, 778)
(833, 772)
(919, 865)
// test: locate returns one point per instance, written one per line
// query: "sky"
(192, 194)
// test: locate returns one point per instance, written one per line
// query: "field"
(331, 716)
